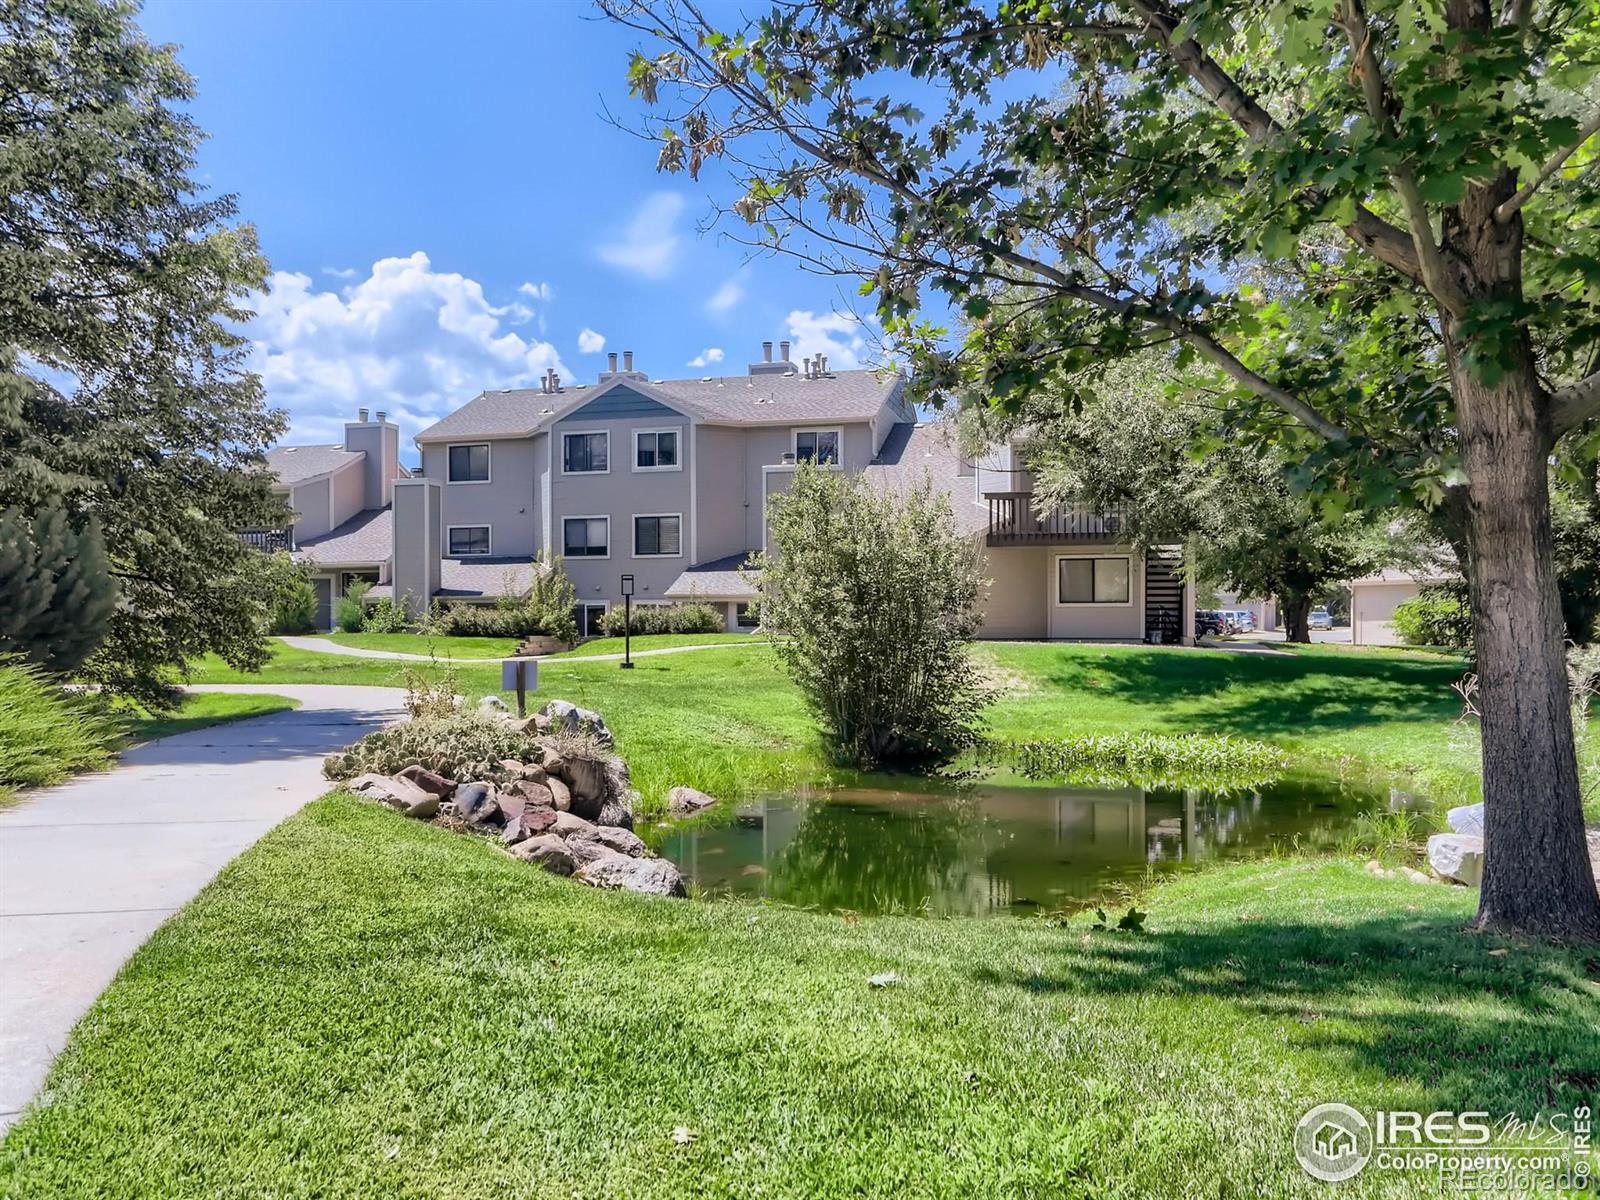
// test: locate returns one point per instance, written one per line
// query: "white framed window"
(586, 452)
(657, 450)
(1089, 580)
(658, 535)
(586, 537)
(464, 541)
(745, 615)
(467, 464)
(824, 447)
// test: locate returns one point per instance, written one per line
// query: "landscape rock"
(1466, 819)
(392, 790)
(531, 820)
(586, 849)
(429, 781)
(561, 795)
(652, 876)
(533, 791)
(620, 840)
(522, 770)
(492, 706)
(570, 718)
(587, 779)
(549, 851)
(686, 801)
(568, 824)
(477, 804)
(614, 814)
(1457, 856)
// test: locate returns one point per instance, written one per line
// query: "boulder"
(554, 764)
(569, 718)
(531, 819)
(587, 779)
(492, 706)
(1457, 856)
(549, 851)
(653, 876)
(615, 814)
(394, 791)
(561, 795)
(429, 781)
(620, 840)
(586, 849)
(1466, 819)
(477, 804)
(568, 824)
(686, 801)
(517, 769)
(533, 791)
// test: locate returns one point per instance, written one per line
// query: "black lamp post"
(627, 623)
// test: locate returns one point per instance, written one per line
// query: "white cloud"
(705, 358)
(590, 342)
(416, 342)
(341, 272)
(846, 340)
(539, 291)
(649, 245)
(726, 296)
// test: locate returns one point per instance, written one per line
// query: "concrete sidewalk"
(90, 868)
(320, 646)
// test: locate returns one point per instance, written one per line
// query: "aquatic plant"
(1151, 759)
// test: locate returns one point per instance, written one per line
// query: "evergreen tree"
(56, 591)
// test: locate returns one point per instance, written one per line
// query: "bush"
(663, 618)
(1437, 617)
(462, 746)
(47, 734)
(544, 610)
(385, 615)
(56, 589)
(350, 612)
(296, 607)
(870, 600)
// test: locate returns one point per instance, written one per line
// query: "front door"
(324, 590)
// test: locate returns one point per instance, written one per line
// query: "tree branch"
(1553, 164)
(1574, 404)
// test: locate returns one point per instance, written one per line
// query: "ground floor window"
(586, 537)
(1093, 581)
(588, 617)
(745, 615)
(468, 539)
(350, 578)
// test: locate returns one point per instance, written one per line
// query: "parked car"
(1246, 620)
(1209, 621)
(1320, 619)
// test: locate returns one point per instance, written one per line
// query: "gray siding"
(418, 528)
(349, 495)
(720, 497)
(310, 504)
(508, 502)
(766, 446)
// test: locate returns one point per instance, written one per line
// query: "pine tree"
(56, 590)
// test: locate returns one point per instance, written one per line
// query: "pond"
(983, 848)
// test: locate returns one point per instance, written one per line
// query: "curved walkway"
(90, 868)
(320, 646)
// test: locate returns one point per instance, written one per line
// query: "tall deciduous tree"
(1419, 175)
(124, 395)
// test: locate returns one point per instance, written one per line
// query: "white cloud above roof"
(650, 243)
(405, 338)
(712, 354)
(590, 342)
(847, 340)
(726, 296)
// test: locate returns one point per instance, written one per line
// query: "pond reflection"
(982, 849)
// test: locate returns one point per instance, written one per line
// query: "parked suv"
(1320, 619)
(1209, 621)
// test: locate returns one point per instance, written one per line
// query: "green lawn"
(365, 1006)
(656, 641)
(418, 643)
(203, 709)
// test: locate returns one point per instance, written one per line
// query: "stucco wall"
(766, 445)
(507, 503)
(1020, 601)
(349, 494)
(310, 504)
(418, 524)
(1372, 608)
(1013, 602)
(720, 498)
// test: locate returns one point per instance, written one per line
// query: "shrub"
(46, 733)
(1439, 616)
(663, 618)
(870, 600)
(296, 607)
(385, 615)
(57, 593)
(349, 613)
(545, 609)
(461, 746)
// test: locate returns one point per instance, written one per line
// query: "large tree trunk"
(1296, 610)
(1537, 876)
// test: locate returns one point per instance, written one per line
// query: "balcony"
(268, 541)
(1014, 521)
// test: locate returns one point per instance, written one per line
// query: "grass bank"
(426, 644)
(655, 641)
(316, 1024)
(47, 734)
(200, 710)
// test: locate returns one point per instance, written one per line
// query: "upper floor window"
(586, 537)
(468, 539)
(655, 450)
(820, 446)
(469, 464)
(585, 453)
(661, 535)
(1092, 581)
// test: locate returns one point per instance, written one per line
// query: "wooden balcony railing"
(1014, 521)
(268, 541)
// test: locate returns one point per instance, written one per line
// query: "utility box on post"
(520, 675)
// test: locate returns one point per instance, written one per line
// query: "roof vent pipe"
(382, 416)
(822, 364)
(766, 351)
(361, 415)
(555, 382)
(627, 360)
(783, 350)
(808, 368)
(611, 359)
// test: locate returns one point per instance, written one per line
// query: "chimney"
(627, 360)
(611, 360)
(382, 416)
(766, 351)
(783, 350)
(361, 415)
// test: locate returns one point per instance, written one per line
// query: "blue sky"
(446, 207)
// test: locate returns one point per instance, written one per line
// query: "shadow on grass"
(1449, 1019)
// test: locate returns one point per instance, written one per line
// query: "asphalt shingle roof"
(718, 579)
(293, 464)
(912, 452)
(367, 537)
(477, 578)
(731, 400)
